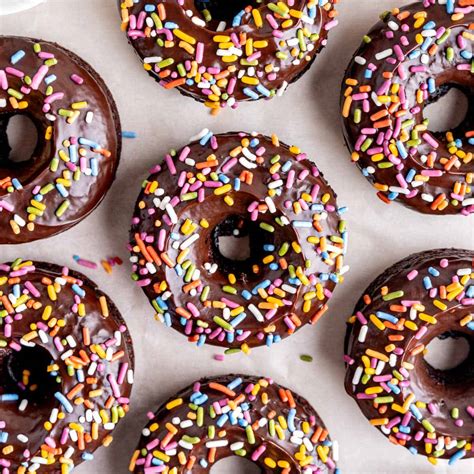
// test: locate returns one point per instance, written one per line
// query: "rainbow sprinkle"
(240, 416)
(291, 211)
(420, 298)
(265, 47)
(84, 387)
(31, 83)
(384, 93)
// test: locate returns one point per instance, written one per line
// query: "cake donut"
(78, 148)
(66, 368)
(220, 52)
(427, 410)
(409, 60)
(235, 415)
(243, 186)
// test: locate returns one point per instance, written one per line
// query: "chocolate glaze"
(85, 194)
(276, 449)
(219, 216)
(286, 70)
(41, 353)
(449, 389)
(446, 74)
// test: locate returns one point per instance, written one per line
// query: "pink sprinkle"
(77, 79)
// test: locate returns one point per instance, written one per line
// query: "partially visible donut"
(407, 61)
(235, 415)
(241, 185)
(266, 46)
(425, 409)
(79, 142)
(66, 368)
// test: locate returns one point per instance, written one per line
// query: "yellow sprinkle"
(174, 404)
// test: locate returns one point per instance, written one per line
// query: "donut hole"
(235, 465)
(18, 140)
(448, 109)
(235, 247)
(237, 244)
(450, 358)
(216, 12)
(26, 374)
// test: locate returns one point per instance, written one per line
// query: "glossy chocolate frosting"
(72, 341)
(258, 402)
(276, 52)
(273, 195)
(436, 392)
(49, 93)
(389, 81)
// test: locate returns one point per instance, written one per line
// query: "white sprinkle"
(189, 241)
(256, 312)
(363, 333)
(427, 197)
(217, 444)
(172, 214)
(357, 375)
(236, 446)
(271, 205)
(384, 54)
(289, 289)
(185, 445)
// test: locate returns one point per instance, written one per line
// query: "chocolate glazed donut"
(66, 368)
(427, 410)
(193, 46)
(235, 415)
(239, 185)
(79, 142)
(410, 59)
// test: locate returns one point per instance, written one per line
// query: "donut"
(427, 410)
(14, 6)
(242, 186)
(235, 415)
(221, 52)
(66, 368)
(410, 59)
(78, 148)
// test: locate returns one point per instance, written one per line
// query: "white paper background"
(307, 116)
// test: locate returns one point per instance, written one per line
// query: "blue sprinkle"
(235, 383)
(9, 397)
(64, 402)
(18, 56)
(291, 420)
(456, 456)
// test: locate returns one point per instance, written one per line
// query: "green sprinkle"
(223, 323)
(394, 295)
(267, 227)
(306, 358)
(250, 434)
(62, 208)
